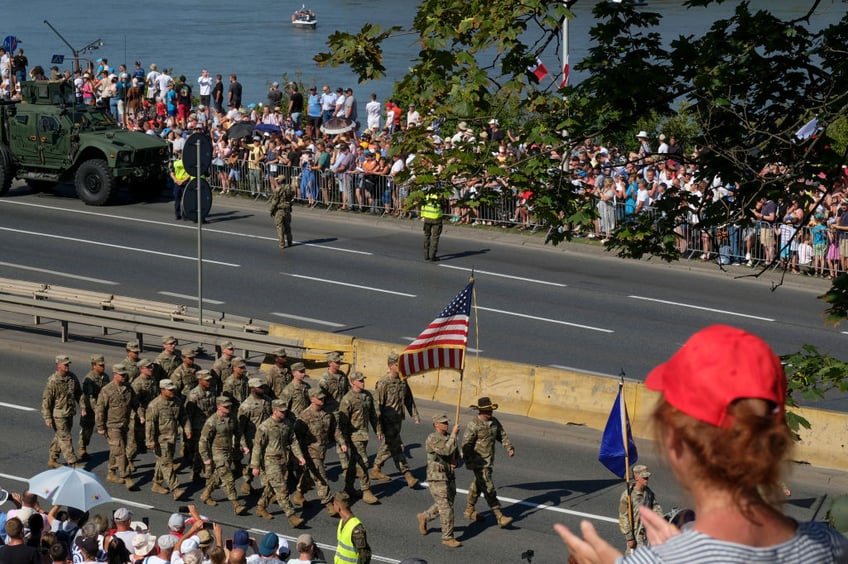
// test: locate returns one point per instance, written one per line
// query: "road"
(554, 477)
(570, 306)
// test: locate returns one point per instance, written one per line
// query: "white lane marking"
(469, 349)
(120, 500)
(557, 321)
(702, 308)
(533, 280)
(121, 247)
(307, 319)
(337, 283)
(18, 407)
(62, 274)
(545, 507)
(178, 226)
(187, 297)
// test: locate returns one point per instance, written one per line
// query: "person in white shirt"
(372, 110)
(152, 83)
(663, 148)
(205, 82)
(162, 81)
(412, 116)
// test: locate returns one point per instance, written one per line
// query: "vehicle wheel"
(94, 182)
(38, 186)
(5, 171)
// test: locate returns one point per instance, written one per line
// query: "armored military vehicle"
(47, 138)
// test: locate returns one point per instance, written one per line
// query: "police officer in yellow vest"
(352, 547)
(180, 178)
(431, 211)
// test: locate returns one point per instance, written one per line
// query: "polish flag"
(540, 71)
(564, 80)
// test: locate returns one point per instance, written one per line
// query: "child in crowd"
(805, 255)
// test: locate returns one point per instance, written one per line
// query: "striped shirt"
(813, 543)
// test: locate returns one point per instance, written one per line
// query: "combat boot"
(422, 523)
(53, 464)
(112, 477)
(156, 488)
(411, 480)
(83, 452)
(246, 489)
(298, 498)
(331, 509)
(129, 483)
(376, 473)
(263, 512)
(238, 508)
(206, 497)
(502, 519)
(452, 543)
(471, 514)
(369, 497)
(295, 521)
(178, 493)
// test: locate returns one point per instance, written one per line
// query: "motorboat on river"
(304, 18)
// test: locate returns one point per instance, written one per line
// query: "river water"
(255, 40)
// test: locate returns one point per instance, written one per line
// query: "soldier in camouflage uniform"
(184, 376)
(58, 407)
(275, 440)
(91, 386)
(130, 363)
(640, 494)
(115, 405)
(200, 405)
(279, 374)
(335, 384)
(478, 451)
(393, 397)
(219, 440)
(146, 390)
(168, 359)
(356, 412)
(281, 208)
(222, 368)
(315, 428)
(236, 387)
(442, 458)
(165, 418)
(255, 409)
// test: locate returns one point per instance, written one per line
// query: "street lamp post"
(96, 44)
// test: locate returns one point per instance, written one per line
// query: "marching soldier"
(130, 363)
(169, 358)
(279, 374)
(236, 386)
(115, 405)
(442, 458)
(165, 417)
(58, 407)
(335, 384)
(146, 390)
(281, 208)
(393, 397)
(275, 440)
(219, 440)
(184, 376)
(222, 368)
(315, 428)
(91, 386)
(478, 451)
(255, 409)
(356, 413)
(296, 393)
(200, 405)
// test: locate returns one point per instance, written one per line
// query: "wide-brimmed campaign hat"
(484, 404)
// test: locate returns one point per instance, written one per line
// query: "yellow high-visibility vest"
(345, 551)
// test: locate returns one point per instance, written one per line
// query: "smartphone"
(182, 509)
(208, 525)
(229, 544)
(146, 521)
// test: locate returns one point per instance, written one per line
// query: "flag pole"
(462, 368)
(627, 484)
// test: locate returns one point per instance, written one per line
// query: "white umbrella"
(338, 125)
(69, 486)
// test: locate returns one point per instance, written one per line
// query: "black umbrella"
(241, 129)
(337, 125)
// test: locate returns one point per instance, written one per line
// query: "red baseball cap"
(715, 367)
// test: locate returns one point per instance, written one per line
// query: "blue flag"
(617, 447)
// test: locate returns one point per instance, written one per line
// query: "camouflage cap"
(168, 340)
(641, 471)
(119, 369)
(357, 376)
(238, 361)
(255, 383)
(98, 359)
(188, 352)
(317, 392)
(298, 367)
(167, 384)
(223, 401)
(393, 358)
(334, 356)
(279, 404)
(226, 345)
(279, 351)
(144, 363)
(440, 418)
(132, 346)
(63, 359)
(203, 375)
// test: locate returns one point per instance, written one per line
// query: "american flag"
(442, 343)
